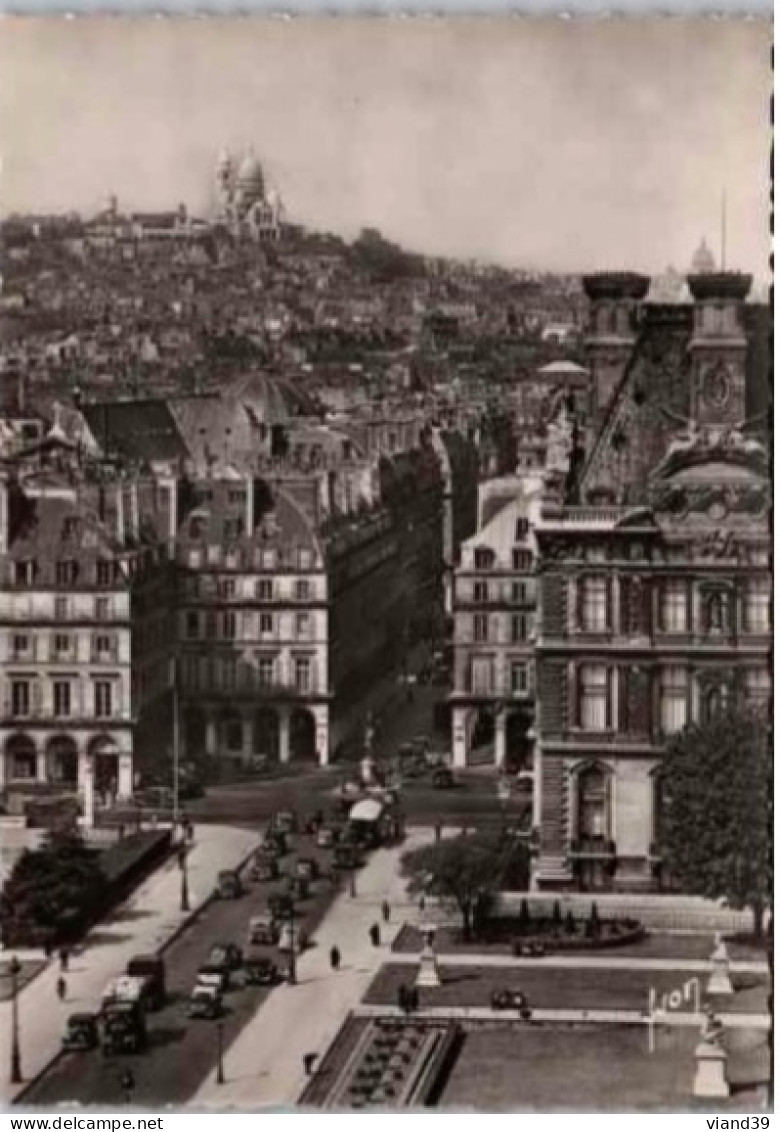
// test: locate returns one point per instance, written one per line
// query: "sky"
(550, 143)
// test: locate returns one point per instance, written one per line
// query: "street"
(181, 1051)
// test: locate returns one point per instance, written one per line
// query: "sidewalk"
(264, 1066)
(145, 923)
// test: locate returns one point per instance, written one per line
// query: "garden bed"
(554, 988)
(652, 945)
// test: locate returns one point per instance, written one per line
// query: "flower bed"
(556, 932)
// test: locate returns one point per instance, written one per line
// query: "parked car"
(507, 999)
(264, 868)
(258, 972)
(213, 975)
(280, 905)
(275, 843)
(204, 1002)
(529, 949)
(346, 857)
(229, 886)
(227, 955)
(326, 837)
(306, 868)
(443, 778)
(81, 1032)
(285, 821)
(263, 930)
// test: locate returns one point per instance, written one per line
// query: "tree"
(466, 870)
(58, 885)
(715, 811)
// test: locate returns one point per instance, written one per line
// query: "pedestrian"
(421, 902)
(385, 911)
(64, 958)
(437, 832)
(308, 1063)
(62, 989)
(335, 958)
(374, 934)
(47, 948)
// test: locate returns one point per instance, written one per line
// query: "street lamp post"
(185, 887)
(220, 1053)
(16, 1057)
(292, 973)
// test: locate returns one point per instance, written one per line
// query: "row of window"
(522, 558)
(213, 625)
(69, 571)
(597, 708)
(483, 627)
(257, 558)
(67, 608)
(229, 674)
(26, 698)
(483, 679)
(63, 646)
(260, 589)
(516, 592)
(717, 606)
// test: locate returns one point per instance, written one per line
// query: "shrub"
(556, 913)
(570, 926)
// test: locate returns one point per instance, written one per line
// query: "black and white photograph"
(385, 565)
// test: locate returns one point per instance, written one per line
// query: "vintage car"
(263, 930)
(227, 955)
(229, 886)
(529, 949)
(81, 1032)
(264, 868)
(213, 975)
(306, 868)
(275, 843)
(257, 972)
(204, 1002)
(346, 857)
(327, 836)
(298, 888)
(285, 821)
(280, 905)
(442, 778)
(504, 998)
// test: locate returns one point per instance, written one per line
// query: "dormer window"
(521, 529)
(483, 558)
(70, 528)
(24, 573)
(105, 573)
(66, 572)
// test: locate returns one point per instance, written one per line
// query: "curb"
(177, 932)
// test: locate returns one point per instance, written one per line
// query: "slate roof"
(140, 431)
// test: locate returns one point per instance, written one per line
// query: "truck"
(124, 1027)
(125, 988)
(151, 968)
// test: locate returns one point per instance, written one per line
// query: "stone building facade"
(653, 574)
